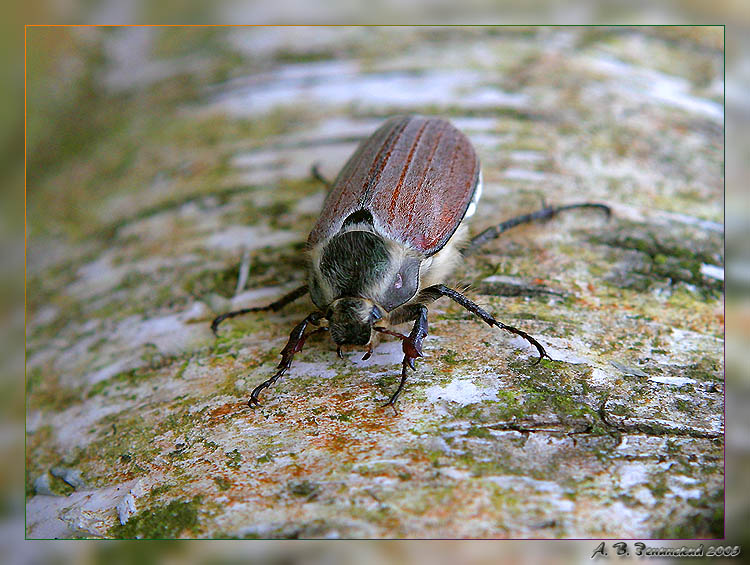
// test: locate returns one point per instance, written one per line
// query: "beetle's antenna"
(546, 212)
(274, 306)
(390, 332)
(368, 354)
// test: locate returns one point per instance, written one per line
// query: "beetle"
(391, 230)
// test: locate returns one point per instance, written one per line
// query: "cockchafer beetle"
(391, 231)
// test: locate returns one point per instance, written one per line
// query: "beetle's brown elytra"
(416, 176)
(389, 235)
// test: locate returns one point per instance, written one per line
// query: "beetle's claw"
(338, 352)
(542, 355)
(392, 404)
(542, 352)
(540, 349)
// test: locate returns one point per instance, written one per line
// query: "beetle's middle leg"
(296, 342)
(438, 290)
(411, 344)
(274, 306)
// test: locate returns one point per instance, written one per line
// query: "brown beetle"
(390, 233)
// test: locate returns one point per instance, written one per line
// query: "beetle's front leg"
(441, 290)
(296, 342)
(411, 344)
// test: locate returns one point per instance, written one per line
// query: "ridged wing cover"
(415, 175)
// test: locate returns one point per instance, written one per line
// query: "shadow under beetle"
(391, 231)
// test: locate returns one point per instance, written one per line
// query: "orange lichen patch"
(224, 409)
(589, 305)
(344, 436)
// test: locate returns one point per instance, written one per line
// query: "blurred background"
(82, 77)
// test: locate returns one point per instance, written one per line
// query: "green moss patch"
(653, 254)
(165, 522)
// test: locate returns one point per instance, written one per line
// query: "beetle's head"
(358, 277)
(350, 320)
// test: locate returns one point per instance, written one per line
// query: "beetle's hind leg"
(545, 213)
(296, 342)
(439, 290)
(318, 176)
(411, 344)
(274, 306)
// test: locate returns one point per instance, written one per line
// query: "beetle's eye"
(399, 281)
